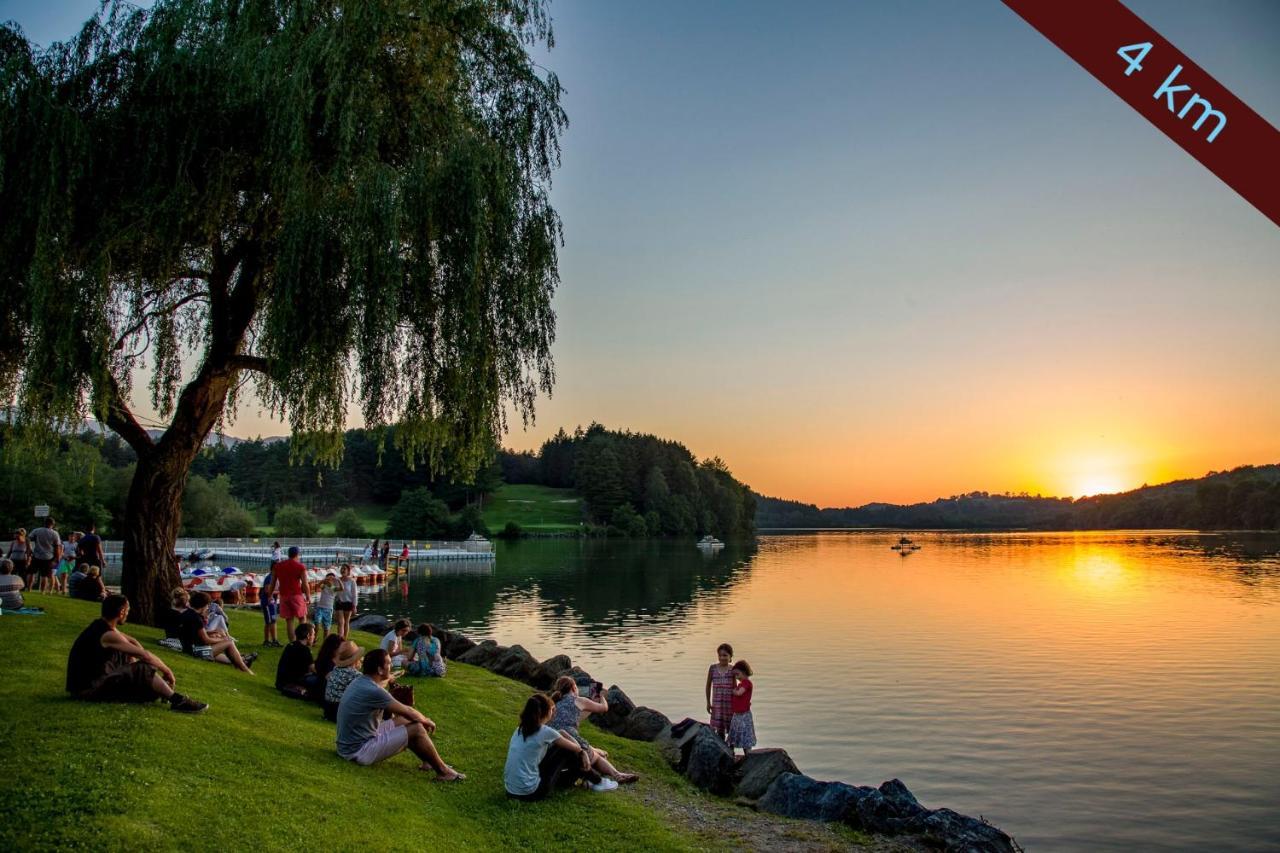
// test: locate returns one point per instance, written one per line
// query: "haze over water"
(1103, 691)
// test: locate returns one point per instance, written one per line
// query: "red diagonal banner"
(1176, 95)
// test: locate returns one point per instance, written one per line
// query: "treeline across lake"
(640, 485)
(1245, 498)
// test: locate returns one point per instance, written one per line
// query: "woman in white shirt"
(344, 604)
(539, 758)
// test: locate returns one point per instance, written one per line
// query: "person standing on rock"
(742, 728)
(720, 684)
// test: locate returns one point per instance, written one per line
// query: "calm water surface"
(1101, 691)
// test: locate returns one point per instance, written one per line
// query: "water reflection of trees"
(599, 584)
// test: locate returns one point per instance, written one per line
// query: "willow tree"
(324, 204)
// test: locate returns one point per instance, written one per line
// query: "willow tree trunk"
(152, 517)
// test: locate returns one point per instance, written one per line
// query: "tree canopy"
(344, 202)
(349, 199)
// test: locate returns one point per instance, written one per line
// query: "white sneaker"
(604, 785)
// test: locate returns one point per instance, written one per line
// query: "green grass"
(259, 771)
(373, 516)
(537, 509)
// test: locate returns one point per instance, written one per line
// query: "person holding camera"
(570, 709)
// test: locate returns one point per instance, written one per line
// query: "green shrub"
(347, 524)
(296, 522)
(418, 515)
(512, 531)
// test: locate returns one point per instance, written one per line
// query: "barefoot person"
(720, 690)
(107, 665)
(742, 728)
(540, 759)
(365, 738)
(570, 707)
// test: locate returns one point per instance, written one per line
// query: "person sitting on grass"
(393, 642)
(365, 738)
(88, 586)
(539, 758)
(569, 710)
(197, 642)
(324, 657)
(346, 669)
(107, 665)
(424, 655)
(11, 587)
(215, 622)
(296, 673)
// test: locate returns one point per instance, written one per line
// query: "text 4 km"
(1135, 53)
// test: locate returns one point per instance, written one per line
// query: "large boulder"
(544, 677)
(708, 762)
(371, 622)
(517, 663)
(644, 724)
(900, 799)
(452, 643)
(957, 833)
(797, 795)
(483, 654)
(756, 772)
(671, 741)
(615, 719)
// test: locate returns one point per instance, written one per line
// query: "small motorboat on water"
(710, 543)
(905, 546)
(200, 554)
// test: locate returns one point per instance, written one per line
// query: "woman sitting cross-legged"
(540, 758)
(197, 642)
(424, 654)
(570, 708)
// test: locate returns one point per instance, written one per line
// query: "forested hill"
(639, 484)
(1246, 498)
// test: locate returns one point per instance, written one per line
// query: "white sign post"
(42, 511)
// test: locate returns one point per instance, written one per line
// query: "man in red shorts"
(290, 581)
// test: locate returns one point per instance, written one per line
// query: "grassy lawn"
(534, 508)
(258, 771)
(373, 517)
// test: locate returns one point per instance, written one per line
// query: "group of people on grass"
(355, 688)
(43, 561)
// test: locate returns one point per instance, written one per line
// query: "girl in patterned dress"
(742, 728)
(720, 691)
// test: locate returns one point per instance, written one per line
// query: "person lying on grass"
(197, 642)
(365, 738)
(570, 708)
(296, 673)
(107, 665)
(540, 759)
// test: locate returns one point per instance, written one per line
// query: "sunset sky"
(896, 251)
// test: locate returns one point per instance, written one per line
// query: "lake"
(1102, 691)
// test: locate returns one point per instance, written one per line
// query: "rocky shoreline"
(766, 779)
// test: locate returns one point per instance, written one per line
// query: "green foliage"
(511, 531)
(209, 510)
(627, 522)
(72, 478)
(340, 185)
(347, 525)
(295, 522)
(537, 509)
(653, 477)
(469, 520)
(419, 515)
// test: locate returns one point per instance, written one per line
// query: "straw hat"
(348, 654)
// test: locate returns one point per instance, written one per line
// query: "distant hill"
(1245, 498)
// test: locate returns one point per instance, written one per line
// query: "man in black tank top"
(107, 665)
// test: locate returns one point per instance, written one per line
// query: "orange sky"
(852, 288)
